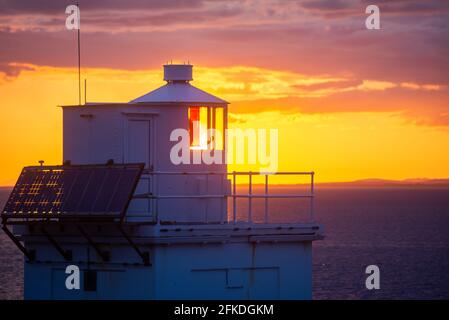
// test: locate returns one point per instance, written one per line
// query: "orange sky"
(348, 103)
(338, 146)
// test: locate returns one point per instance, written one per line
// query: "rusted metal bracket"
(66, 254)
(105, 256)
(145, 256)
(30, 254)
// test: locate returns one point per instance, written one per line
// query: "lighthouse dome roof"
(178, 92)
(178, 89)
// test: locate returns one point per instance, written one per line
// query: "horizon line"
(365, 182)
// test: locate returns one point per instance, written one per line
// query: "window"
(219, 129)
(198, 128)
(90, 280)
(206, 128)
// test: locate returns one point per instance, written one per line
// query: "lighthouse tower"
(145, 130)
(136, 211)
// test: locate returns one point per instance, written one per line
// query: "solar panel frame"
(68, 191)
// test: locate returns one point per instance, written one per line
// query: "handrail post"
(266, 198)
(207, 200)
(312, 191)
(234, 199)
(157, 199)
(224, 200)
(250, 192)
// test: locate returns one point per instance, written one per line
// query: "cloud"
(254, 90)
(238, 83)
(9, 71)
(331, 8)
(313, 56)
(329, 85)
(339, 9)
(14, 7)
(415, 86)
(127, 21)
(410, 7)
(420, 107)
(221, 34)
(236, 119)
(370, 85)
(117, 16)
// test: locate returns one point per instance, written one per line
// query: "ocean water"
(404, 231)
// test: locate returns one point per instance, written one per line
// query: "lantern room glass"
(206, 128)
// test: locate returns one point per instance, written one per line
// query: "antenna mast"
(79, 55)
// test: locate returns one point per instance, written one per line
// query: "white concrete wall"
(95, 134)
(240, 270)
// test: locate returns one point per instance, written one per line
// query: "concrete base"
(270, 266)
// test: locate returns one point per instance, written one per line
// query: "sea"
(402, 230)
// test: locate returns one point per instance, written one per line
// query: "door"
(138, 149)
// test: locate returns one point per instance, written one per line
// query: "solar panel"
(75, 190)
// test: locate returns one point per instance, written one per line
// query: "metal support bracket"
(66, 254)
(30, 254)
(105, 256)
(145, 256)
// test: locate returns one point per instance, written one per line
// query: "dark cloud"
(123, 22)
(345, 8)
(412, 46)
(326, 4)
(410, 6)
(11, 71)
(12, 7)
(161, 19)
(118, 16)
(39, 48)
(394, 54)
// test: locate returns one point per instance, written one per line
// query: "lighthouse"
(137, 224)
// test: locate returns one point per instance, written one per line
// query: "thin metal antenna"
(79, 55)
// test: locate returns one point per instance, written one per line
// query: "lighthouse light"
(198, 118)
(206, 126)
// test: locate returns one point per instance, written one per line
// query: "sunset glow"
(379, 110)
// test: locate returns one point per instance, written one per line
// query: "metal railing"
(233, 190)
(266, 195)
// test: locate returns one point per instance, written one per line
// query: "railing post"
(207, 200)
(157, 196)
(312, 191)
(223, 201)
(266, 198)
(234, 204)
(250, 192)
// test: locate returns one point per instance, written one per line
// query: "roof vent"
(178, 73)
